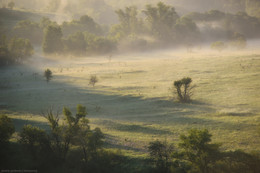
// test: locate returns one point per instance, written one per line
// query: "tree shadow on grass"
(114, 143)
(131, 127)
(19, 123)
(36, 96)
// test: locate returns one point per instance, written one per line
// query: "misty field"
(132, 102)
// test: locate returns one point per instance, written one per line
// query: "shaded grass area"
(133, 103)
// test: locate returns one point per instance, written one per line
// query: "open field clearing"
(132, 102)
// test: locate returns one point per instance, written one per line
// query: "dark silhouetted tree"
(52, 42)
(161, 20)
(198, 150)
(48, 75)
(161, 153)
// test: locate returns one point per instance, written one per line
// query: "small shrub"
(48, 75)
(93, 80)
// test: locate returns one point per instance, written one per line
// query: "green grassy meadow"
(133, 103)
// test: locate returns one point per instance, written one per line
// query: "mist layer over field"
(133, 98)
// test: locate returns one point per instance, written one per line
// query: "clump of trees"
(81, 38)
(84, 24)
(14, 51)
(183, 89)
(52, 42)
(70, 145)
(72, 136)
(199, 155)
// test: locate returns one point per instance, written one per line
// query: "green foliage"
(101, 45)
(35, 140)
(238, 161)
(52, 42)
(5, 55)
(161, 153)
(129, 22)
(218, 45)
(6, 129)
(84, 24)
(183, 89)
(45, 22)
(48, 75)
(74, 131)
(161, 20)
(29, 30)
(187, 31)
(80, 44)
(76, 44)
(198, 150)
(227, 23)
(20, 48)
(14, 51)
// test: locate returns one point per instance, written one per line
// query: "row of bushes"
(72, 146)
(67, 146)
(79, 43)
(196, 154)
(159, 26)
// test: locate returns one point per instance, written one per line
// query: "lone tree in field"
(183, 89)
(93, 80)
(48, 74)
